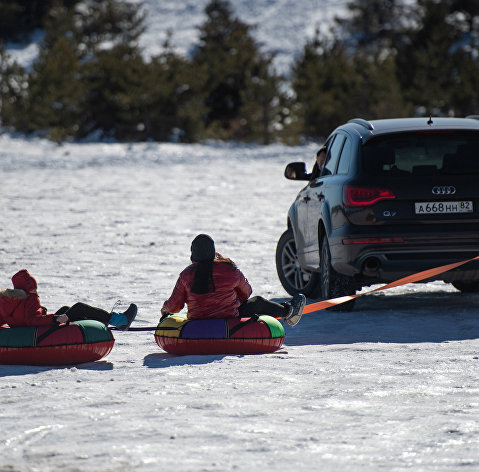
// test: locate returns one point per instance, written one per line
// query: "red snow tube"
(81, 341)
(178, 335)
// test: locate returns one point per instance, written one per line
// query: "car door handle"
(320, 197)
(316, 183)
(306, 199)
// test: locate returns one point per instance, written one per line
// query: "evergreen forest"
(387, 58)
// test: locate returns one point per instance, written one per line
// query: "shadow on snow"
(163, 359)
(416, 317)
(17, 369)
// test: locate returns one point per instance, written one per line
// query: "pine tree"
(374, 24)
(354, 73)
(173, 108)
(379, 91)
(13, 88)
(373, 33)
(87, 78)
(334, 84)
(439, 65)
(19, 18)
(107, 35)
(113, 101)
(54, 104)
(260, 100)
(425, 64)
(240, 86)
(325, 82)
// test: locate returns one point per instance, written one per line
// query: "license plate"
(433, 208)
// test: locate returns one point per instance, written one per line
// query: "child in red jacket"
(213, 287)
(21, 306)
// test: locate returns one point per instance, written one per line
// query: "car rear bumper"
(389, 262)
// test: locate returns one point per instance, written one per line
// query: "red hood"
(25, 281)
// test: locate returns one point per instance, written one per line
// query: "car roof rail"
(367, 124)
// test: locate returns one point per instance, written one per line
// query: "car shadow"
(414, 317)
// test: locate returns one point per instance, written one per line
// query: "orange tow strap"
(425, 274)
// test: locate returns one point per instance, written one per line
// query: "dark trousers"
(260, 306)
(82, 311)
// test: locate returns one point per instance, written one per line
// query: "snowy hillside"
(391, 386)
(282, 26)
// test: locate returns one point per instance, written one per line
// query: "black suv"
(394, 197)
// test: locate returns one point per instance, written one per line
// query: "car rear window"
(423, 153)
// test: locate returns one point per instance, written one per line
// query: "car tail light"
(397, 239)
(365, 196)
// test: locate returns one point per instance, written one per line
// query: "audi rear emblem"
(444, 190)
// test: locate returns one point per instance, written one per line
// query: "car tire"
(292, 276)
(334, 285)
(470, 286)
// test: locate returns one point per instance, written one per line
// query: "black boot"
(296, 311)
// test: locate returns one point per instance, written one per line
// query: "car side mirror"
(296, 171)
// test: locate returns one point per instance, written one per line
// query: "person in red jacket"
(213, 287)
(21, 306)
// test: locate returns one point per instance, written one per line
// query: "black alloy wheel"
(292, 276)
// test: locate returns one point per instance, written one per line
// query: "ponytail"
(203, 280)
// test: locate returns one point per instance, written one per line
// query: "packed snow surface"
(391, 386)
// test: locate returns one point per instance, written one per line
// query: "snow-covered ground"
(391, 386)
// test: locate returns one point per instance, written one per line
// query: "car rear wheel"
(334, 285)
(292, 276)
(471, 286)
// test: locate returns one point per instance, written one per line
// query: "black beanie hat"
(202, 248)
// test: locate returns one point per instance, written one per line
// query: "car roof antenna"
(430, 122)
